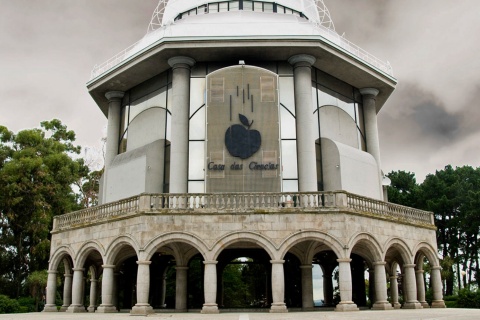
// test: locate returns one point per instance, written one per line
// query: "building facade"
(242, 132)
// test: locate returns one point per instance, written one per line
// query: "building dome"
(168, 11)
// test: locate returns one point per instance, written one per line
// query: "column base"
(346, 306)
(425, 304)
(438, 304)
(141, 310)
(397, 305)
(209, 308)
(91, 308)
(50, 308)
(76, 309)
(384, 305)
(278, 308)
(63, 308)
(106, 309)
(412, 305)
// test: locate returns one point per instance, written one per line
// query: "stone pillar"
(278, 287)
(77, 291)
(163, 292)
(179, 131)
(371, 128)
(210, 287)
(306, 156)
(371, 286)
(93, 295)
(410, 288)
(327, 287)
(421, 288)
(345, 285)
(181, 289)
(115, 290)
(67, 292)
(436, 279)
(307, 287)
(394, 292)
(107, 305)
(113, 126)
(51, 291)
(142, 307)
(381, 298)
(84, 280)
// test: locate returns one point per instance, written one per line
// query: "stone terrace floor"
(423, 314)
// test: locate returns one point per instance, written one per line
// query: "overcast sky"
(48, 48)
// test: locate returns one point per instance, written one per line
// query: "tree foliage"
(453, 195)
(38, 168)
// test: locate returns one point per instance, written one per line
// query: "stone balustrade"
(321, 202)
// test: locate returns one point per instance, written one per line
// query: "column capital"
(419, 271)
(108, 266)
(306, 266)
(409, 265)
(144, 262)
(114, 95)
(93, 280)
(369, 91)
(393, 277)
(68, 275)
(210, 262)
(344, 260)
(302, 58)
(379, 263)
(277, 261)
(181, 268)
(78, 269)
(52, 271)
(175, 61)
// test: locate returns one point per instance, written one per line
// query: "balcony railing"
(224, 203)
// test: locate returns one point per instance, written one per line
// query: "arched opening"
(326, 293)
(124, 278)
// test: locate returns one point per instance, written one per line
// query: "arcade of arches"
(179, 273)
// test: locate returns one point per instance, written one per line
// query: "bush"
(27, 304)
(8, 305)
(468, 299)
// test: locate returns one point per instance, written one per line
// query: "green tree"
(403, 189)
(37, 170)
(36, 282)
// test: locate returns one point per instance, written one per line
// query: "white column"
(93, 295)
(371, 128)
(410, 288)
(437, 288)
(113, 126)
(107, 290)
(210, 287)
(394, 292)
(306, 156)
(179, 131)
(327, 286)
(181, 289)
(67, 292)
(421, 288)
(77, 291)
(278, 287)
(381, 302)
(142, 307)
(307, 287)
(163, 292)
(345, 285)
(51, 291)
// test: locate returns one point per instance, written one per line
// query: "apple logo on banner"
(240, 141)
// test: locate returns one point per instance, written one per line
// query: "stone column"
(410, 288)
(394, 292)
(93, 295)
(307, 287)
(381, 302)
(371, 286)
(163, 292)
(278, 287)
(113, 126)
(306, 156)
(210, 287)
(345, 285)
(181, 289)
(371, 128)
(107, 290)
(114, 290)
(437, 288)
(51, 291)
(67, 292)
(142, 307)
(179, 131)
(421, 288)
(77, 291)
(327, 287)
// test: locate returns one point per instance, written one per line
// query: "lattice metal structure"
(324, 17)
